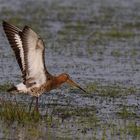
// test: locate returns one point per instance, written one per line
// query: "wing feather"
(14, 39)
(34, 56)
(29, 51)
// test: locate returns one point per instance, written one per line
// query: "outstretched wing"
(33, 47)
(13, 35)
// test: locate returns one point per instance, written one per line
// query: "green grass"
(12, 111)
(132, 25)
(73, 31)
(116, 53)
(125, 113)
(78, 26)
(33, 132)
(134, 52)
(134, 129)
(72, 111)
(110, 90)
(101, 37)
(114, 33)
(92, 87)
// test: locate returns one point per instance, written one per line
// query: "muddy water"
(95, 41)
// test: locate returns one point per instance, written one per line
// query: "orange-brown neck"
(62, 78)
(56, 81)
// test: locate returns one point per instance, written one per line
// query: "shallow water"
(97, 43)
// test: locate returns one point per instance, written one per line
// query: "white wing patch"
(19, 45)
(21, 87)
(36, 66)
(34, 52)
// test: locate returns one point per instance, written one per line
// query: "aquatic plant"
(110, 90)
(114, 33)
(134, 129)
(13, 111)
(116, 53)
(126, 114)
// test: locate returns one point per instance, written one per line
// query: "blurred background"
(98, 43)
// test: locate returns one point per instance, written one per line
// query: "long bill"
(72, 83)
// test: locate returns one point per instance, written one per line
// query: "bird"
(29, 50)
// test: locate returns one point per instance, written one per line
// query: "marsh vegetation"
(97, 43)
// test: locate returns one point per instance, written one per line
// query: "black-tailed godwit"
(29, 51)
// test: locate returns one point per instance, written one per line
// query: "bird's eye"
(67, 75)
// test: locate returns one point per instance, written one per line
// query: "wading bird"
(29, 51)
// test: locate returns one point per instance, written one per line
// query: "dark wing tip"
(11, 27)
(26, 28)
(4, 23)
(13, 88)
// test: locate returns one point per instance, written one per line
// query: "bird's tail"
(12, 89)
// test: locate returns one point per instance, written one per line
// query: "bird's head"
(64, 77)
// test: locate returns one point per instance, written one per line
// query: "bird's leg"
(15, 100)
(31, 103)
(36, 106)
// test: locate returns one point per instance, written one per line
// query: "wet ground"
(98, 43)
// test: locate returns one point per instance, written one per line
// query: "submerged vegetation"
(92, 41)
(10, 112)
(134, 129)
(126, 114)
(86, 119)
(114, 33)
(110, 90)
